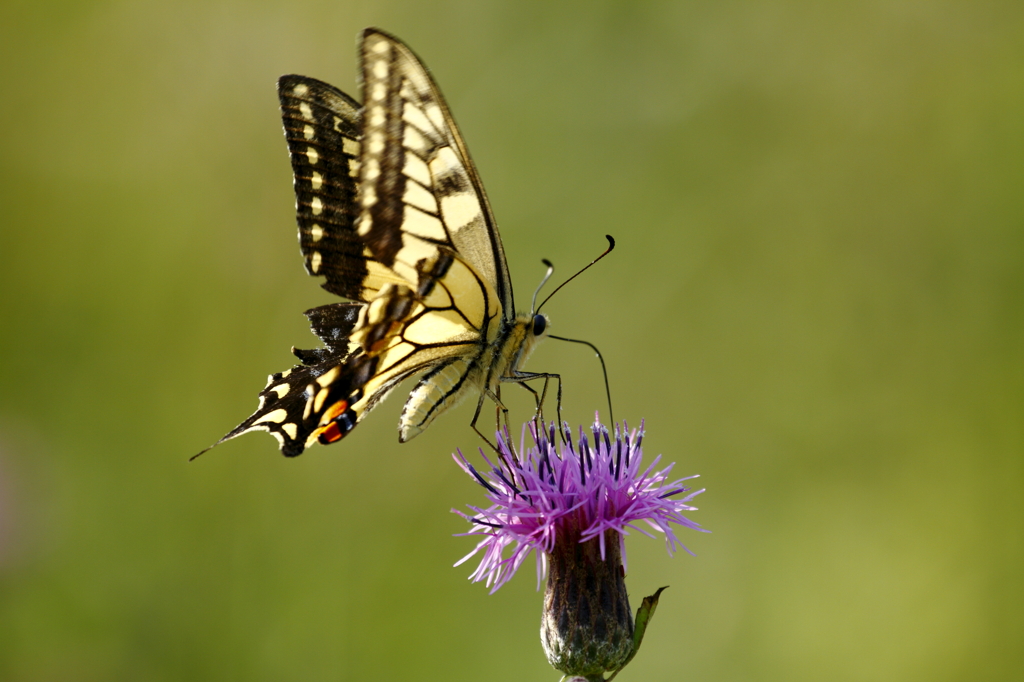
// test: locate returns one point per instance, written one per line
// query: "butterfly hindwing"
(404, 332)
(284, 400)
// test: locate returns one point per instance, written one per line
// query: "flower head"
(575, 491)
(574, 503)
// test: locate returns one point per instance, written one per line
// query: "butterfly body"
(391, 212)
(447, 385)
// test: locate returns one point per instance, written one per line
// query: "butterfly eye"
(540, 324)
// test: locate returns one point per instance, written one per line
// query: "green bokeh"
(816, 303)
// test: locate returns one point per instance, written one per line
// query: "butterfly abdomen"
(440, 389)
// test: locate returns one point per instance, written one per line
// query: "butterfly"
(392, 213)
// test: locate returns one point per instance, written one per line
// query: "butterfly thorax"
(511, 347)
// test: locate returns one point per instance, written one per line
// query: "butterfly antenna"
(604, 370)
(611, 245)
(547, 276)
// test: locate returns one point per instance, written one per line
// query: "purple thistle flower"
(588, 488)
(574, 503)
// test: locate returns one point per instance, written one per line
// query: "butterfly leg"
(538, 414)
(501, 412)
(522, 377)
(500, 407)
(558, 403)
(538, 398)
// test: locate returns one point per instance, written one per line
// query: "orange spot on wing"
(334, 410)
(330, 434)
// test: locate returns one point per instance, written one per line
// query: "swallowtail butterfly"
(392, 214)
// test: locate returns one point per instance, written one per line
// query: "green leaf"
(643, 619)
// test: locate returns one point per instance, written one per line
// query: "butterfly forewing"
(418, 184)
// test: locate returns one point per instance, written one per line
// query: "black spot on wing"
(450, 183)
(431, 270)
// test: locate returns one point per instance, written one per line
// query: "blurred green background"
(816, 303)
